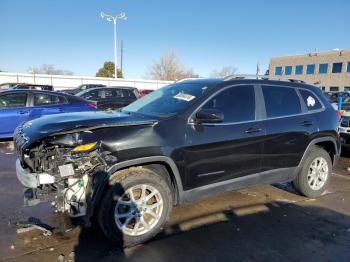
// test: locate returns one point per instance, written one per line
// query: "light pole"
(110, 18)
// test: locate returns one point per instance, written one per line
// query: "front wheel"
(315, 175)
(135, 207)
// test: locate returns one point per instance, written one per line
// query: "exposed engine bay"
(60, 170)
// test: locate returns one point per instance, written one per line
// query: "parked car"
(110, 97)
(144, 92)
(33, 86)
(344, 128)
(17, 106)
(6, 86)
(182, 142)
(81, 88)
(333, 97)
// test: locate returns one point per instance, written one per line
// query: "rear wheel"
(314, 177)
(135, 207)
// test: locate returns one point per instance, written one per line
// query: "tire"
(117, 201)
(305, 182)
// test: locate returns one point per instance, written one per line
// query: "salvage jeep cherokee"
(188, 140)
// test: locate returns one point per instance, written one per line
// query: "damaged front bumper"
(32, 180)
(53, 175)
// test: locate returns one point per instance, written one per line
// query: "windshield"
(169, 100)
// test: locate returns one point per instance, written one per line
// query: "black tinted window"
(236, 103)
(13, 100)
(91, 95)
(118, 93)
(45, 99)
(311, 101)
(108, 93)
(281, 101)
(128, 93)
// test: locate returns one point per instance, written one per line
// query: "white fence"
(66, 82)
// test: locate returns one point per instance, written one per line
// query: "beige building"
(328, 70)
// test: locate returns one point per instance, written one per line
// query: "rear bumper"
(32, 180)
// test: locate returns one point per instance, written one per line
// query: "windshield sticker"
(310, 101)
(185, 97)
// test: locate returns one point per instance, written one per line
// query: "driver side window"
(237, 104)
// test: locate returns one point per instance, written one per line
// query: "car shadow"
(263, 232)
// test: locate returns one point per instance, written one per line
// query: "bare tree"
(169, 67)
(49, 70)
(225, 71)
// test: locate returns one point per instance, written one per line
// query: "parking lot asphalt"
(265, 223)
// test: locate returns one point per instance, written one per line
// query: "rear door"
(288, 127)
(46, 104)
(228, 150)
(13, 111)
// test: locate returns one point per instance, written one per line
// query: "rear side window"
(101, 94)
(117, 93)
(128, 93)
(281, 101)
(236, 103)
(108, 93)
(13, 100)
(311, 101)
(45, 99)
(91, 95)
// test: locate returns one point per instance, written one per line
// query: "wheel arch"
(164, 164)
(328, 143)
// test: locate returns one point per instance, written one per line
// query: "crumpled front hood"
(45, 126)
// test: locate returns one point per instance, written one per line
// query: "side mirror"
(209, 116)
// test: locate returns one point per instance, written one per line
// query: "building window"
(299, 70)
(334, 88)
(348, 68)
(337, 67)
(347, 88)
(323, 68)
(323, 88)
(288, 70)
(278, 71)
(310, 69)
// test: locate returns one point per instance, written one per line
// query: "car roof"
(31, 85)
(106, 87)
(34, 91)
(234, 81)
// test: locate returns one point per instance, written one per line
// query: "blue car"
(17, 106)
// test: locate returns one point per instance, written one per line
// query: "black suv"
(184, 141)
(110, 97)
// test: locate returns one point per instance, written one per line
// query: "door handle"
(253, 130)
(22, 112)
(307, 123)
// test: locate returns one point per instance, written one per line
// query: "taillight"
(92, 105)
(339, 115)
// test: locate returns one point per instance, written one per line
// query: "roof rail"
(186, 79)
(261, 77)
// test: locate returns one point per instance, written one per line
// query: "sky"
(207, 35)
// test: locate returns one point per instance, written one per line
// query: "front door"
(227, 150)
(13, 111)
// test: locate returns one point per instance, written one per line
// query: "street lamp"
(110, 18)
